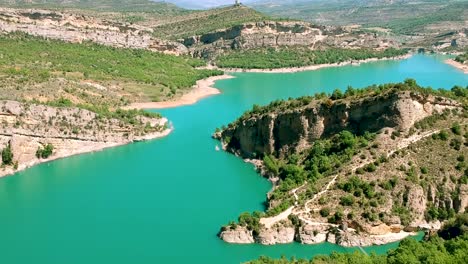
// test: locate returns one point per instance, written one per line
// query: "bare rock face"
(313, 234)
(78, 28)
(276, 235)
(297, 128)
(239, 235)
(25, 128)
(417, 204)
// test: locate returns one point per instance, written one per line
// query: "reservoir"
(164, 201)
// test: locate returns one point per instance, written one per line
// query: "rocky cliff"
(281, 34)
(79, 28)
(27, 128)
(296, 128)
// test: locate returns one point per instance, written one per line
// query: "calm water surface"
(164, 201)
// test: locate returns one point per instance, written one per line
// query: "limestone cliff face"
(296, 128)
(313, 233)
(239, 235)
(280, 34)
(27, 127)
(78, 28)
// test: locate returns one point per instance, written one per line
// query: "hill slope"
(405, 16)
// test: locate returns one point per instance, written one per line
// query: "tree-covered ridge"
(146, 6)
(449, 246)
(203, 22)
(297, 57)
(457, 92)
(31, 61)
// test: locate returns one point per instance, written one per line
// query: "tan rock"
(239, 235)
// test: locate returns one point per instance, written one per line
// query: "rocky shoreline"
(27, 128)
(316, 233)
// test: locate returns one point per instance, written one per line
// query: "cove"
(164, 201)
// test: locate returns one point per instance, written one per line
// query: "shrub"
(324, 212)
(456, 128)
(424, 170)
(45, 152)
(7, 156)
(347, 200)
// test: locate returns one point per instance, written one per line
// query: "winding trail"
(270, 221)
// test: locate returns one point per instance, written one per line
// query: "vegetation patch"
(271, 58)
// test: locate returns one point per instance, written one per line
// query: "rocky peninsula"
(355, 169)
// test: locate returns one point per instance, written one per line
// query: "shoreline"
(97, 146)
(313, 67)
(203, 88)
(460, 66)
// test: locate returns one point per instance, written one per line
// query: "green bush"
(45, 152)
(7, 156)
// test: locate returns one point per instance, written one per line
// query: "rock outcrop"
(238, 235)
(295, 129)
(276, 235)
(79, 28)
(25, 128)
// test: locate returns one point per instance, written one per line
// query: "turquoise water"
(163, 201)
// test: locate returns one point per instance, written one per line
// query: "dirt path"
(270, 221)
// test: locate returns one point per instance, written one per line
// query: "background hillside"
(99, 5)
(401, 16)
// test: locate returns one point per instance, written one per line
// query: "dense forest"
(450, 245)
(295, 57)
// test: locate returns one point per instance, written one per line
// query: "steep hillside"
(356, 168)
(435, 24)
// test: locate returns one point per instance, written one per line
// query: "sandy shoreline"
(313, 67)
(202, 89)
(462, 67)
